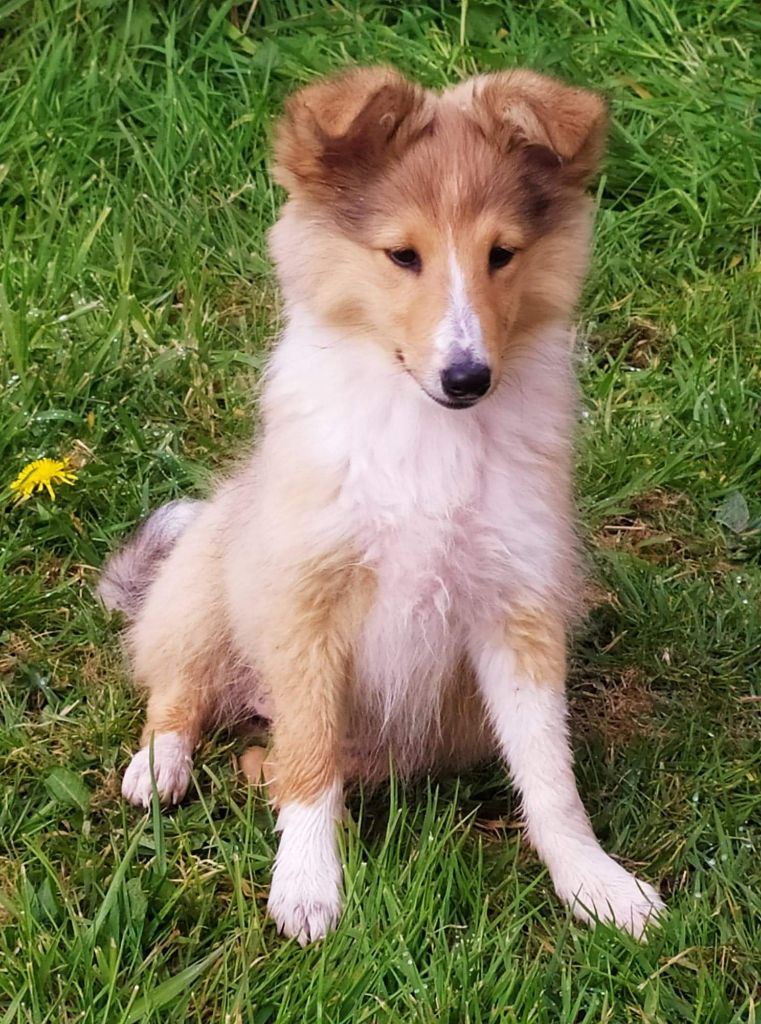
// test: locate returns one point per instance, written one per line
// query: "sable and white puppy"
(392, 574)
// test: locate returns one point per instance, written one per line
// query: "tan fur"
(181, 642)
(307, 663)
(186, 654)
(357, 119)
(537, 638)
(463, 738)
(175, 640)
(523, 107)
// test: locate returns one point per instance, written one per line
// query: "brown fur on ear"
(340, 126)
(526, 109)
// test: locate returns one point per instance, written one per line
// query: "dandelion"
(40, 475)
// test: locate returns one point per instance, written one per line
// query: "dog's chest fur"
(422, 522)
(448, 507)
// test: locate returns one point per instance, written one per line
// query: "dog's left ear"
(523, 109)
(346, 128)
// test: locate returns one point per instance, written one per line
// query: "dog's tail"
(129, 572)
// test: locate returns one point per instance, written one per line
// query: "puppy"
(392, 575)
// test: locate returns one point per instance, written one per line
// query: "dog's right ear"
(346, 127)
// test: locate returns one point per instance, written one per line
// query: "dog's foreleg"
(521, 670)
(306, 668)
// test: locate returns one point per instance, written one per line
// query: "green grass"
(136, 309)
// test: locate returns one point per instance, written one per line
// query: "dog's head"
(444, 226)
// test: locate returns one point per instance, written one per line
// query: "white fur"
(129, 571)
(460, 327)
(170, 520)
(172, 762)
(530, 721)
(305, 894)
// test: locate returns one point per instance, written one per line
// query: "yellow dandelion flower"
(40, 475)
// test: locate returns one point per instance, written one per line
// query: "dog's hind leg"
(181, 655)
(177, 711)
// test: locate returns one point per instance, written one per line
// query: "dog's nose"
(465, 379)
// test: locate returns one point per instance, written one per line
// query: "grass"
(136, 309)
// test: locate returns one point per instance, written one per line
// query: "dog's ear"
(345, 126)
(558, 126)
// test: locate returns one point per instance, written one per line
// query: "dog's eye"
(499, 257)
(406, 258)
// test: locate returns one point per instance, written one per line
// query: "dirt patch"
(15, 650)
(651, 529)
(637, 345)
(617, 708)
(630, 533)
(10, 880)
(657, 501)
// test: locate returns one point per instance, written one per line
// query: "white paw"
(598, 889)
(171, 769)
(304, 907)
(305, 894)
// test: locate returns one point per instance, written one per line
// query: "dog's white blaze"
(460, 327)
(305, 895)
(530, 723)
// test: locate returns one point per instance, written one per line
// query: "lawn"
(137, 306)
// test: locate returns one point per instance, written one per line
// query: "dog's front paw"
(598, 889)
(171, 770)
(303, 915)
(305, 894)
(305, 906)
